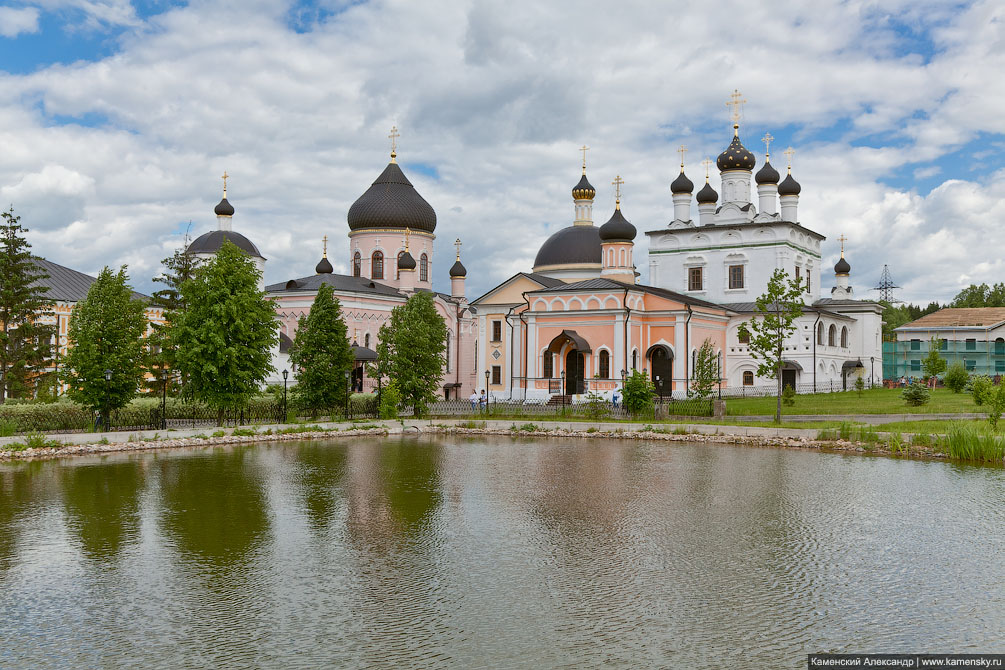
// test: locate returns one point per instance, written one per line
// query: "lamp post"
(107, 411)
(347, 417)
(286, 374)
(872, 371)
(563, 390)
(486, 391)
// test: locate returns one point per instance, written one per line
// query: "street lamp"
(286, 375)
(563, 390)
(486, 391)
(108, 413)
(872, 370)
(347, 418)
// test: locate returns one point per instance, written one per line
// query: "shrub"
(788, 395)
(245, 432)
(638, 392)
(219, 433)
(996, 404)
(916, 394)
(980, 388)
(970, 442)
(390, 401)
(859, 385)
(595, 406)
(956, 377)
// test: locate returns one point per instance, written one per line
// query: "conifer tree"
(25, 343)
(321, 354)
(411, 348)
(223, 337)
(106, 334)
(179, 268)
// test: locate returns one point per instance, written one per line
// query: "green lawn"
(874, 401)
(930, 426)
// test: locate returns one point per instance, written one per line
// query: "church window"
(497, 331)
(635, 360)
(377, 265)
(366, 341)
(798, 275)
(548, 365)
(694, 279)
(397, 269)
(423, 267)
(357, 262)
(735, 276)
(820, 333)
(605, 365)
(844, 336)
(743, 335)
(808, 275)
(971, 345)
(748, 378)
(497, 374)
(832, 335)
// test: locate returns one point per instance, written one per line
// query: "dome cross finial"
(842, 240)
(394, 142)
(584, 149)
(736, 101)
(224, 178)
(324, 243)
(682, 150)
(708, 166)
(407, 231)
(767, 144)
(789, 153)
(457, 244)
(618, 181)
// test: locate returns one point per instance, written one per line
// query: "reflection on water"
(494, 553)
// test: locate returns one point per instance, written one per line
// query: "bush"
(956, 377)
(859, 385)
(390, 400)
(596, 407)
(788, 395)
(980, 388)
(996, 404)
(638, 393)
(916, 394)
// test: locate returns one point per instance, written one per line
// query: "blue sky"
(120, 116)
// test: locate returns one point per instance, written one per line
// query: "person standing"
(473, 398)
(483, 401)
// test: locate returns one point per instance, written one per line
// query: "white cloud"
(496, 97)
(15, 21)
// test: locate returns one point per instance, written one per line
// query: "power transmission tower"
(886, 286)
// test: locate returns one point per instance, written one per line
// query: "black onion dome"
(842, 267)
(617, 228)
(789, 186)
(224, 208)
(458, 269)
(735, 157)
(406, 262)
(324, 267)
(681, 184)
(707, 194)
(210, 243)
(571, 246)
(392, 202)
(767, 174)
(584, 189)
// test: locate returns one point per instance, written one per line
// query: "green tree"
(777, 310)
(106, 334)
(980, 296)
(956, 377)
(25, 343)
(915, 394)
(223, 336)
(706, 371)
(638, 393)
(933, 364)
(321, 354)
(178, 268)
(410, 350)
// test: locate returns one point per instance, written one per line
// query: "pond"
(494, 552)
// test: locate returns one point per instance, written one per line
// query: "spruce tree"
(321, 354)
(223, 337)
(106, 334)
(25, 343)
(179, 268)
(411, 348)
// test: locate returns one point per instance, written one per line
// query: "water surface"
(494, 553)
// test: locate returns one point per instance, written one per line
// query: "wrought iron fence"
(567, 406)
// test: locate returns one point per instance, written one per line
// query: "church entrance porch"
(575, 372)
(661, 364)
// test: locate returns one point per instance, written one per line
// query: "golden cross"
(618, 181)
(394, 141)
(682, 149)
(407, 231)
(736, 102)
(708, 166)
(324, 241)
(457, 243)
(767, 144)
(790, 152)
(584, 149)
(225, 175)
(842, 240)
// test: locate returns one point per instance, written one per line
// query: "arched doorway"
(575, 372)
(661, 367)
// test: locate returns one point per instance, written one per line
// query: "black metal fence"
(568, 407)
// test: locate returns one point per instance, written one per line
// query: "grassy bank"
(872, 401)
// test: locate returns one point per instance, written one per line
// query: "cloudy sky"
(117, 119)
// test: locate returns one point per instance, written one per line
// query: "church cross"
(584, 149)
(618, 181)
(682, 149)
(790, 152)
(324, 241)
(407, 231)
(224, 177)
(767, 144)
(736, 101)
(842, 240)
(708, 166)
(394, 141)
(457, 244)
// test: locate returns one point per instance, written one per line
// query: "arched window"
(844, 336)
(748, 378)
(357, 263)
(820, 333)
(743, 336)
(377, 265)
(448, 352)
(635, 360)
(548, 365)
(605, 365)
(423, 267)
(397, 262)
(832, 335)
(366, 341)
